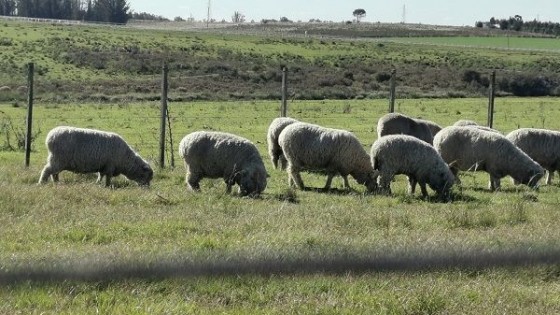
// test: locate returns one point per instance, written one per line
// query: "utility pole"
(208, 15)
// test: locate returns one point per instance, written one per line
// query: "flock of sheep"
(426, 153)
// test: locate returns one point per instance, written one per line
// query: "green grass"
(511, 42)
(84, 62)
(78, 219)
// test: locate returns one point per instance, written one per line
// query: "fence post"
(163, 116)
(392, 91)
(284, 107)
(28, 138)
(491, 96)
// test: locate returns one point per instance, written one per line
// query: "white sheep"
(474, 149)
(82, 150)
(473, 124)
(541, 145)
(466, 122)
(395, 123)
(309, 147)
(274, 149)
(209, 154)
(403, 154)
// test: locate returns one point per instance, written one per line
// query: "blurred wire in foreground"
(94, 270)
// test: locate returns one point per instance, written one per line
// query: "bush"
(529, 85)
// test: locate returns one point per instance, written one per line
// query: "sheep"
(318, 149)
(395, 123)
(274, 150)
(208, 154)
(81, 150)
(404, 154)
(541, 145)
(465, 122)
(473, 149)
(473, 124)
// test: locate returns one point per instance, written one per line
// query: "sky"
(439, 12)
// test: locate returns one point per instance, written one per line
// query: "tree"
(238, 17)
(359, 14)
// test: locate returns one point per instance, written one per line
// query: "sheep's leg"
(494, 183)
(193, 181)
(99, 177)
(108, 180)
(55, 177)
(329, 182)
(45, 174)
(296, 177)
(274, 159)
(346, 184)
(385, 183)
(423, 189)
(412, 185)
(283, 162)
(549, 176)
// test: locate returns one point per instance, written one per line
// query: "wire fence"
(235, 264)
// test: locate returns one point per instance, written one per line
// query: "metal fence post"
(28, 137)
(284, 107)
(163, 116)
(392, 95)
(491, 96)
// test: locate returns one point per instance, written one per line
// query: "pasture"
(80, 220)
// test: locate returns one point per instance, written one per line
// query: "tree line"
(516, 23)
(113, 11)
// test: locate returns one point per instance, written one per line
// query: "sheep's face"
(532, 177)
(441, 181)
(252, 182)
(369, 180)
(143, 175)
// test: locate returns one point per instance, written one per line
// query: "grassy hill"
(333, 61)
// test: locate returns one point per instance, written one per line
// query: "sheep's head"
(368, 179)
(251, 181)
(441, 182)
(142, 174)
(532, 177)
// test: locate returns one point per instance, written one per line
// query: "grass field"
(503, 42)
(80, 63)
(78, 220)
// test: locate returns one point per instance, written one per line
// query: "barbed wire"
(236, 264)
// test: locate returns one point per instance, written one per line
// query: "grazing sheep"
(473, 149)
(314, 148)
(473, 124)
(395, 123)
(541, 145)
(82, 150)
(404, 154)
(210, 154)
(274, 149)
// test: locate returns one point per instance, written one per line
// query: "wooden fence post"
(163, 116)
(392, 95)
(491, 96)
(28, 137)
(284, 107)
